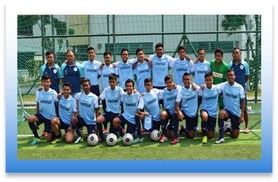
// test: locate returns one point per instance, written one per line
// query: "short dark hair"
(45, 77)
(218, 51)
(91, 48)
(208, 74)
(112, 76)
(124, 49)
(85, 80)
(185, 74)
(130, 81)
(236, 48)
(67, 85)
(106, 53)
(138, 50)
(70, 50)
(168, 77)
(49, 52)
(148, 80)
(159, 45)
(200, 49)
(181, 48)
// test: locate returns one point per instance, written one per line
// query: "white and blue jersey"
(169, 98)
(72, 74)
(142, 71)
(160, 68)
(112, 98)
(188, 98)
(241, 71)
(131, 104)
(87, 105)
(151, 103)
(46, 101)
(67, 107)
(231, 97)
(54, 73)
(210, 100)
(180, 67)
(125, 71)
(104, 74)
(199, 69)
(91, 70)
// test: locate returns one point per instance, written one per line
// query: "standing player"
(188, 100)
(88, 110)
(160, 66)
(52, 70)
(209, 107)
(112, 96)
(67, 114)
(91, 70)
(181, 65)
(45, 99)
(72, 72)
(234, 105)
(132, 103)
(241, 70)
(169, 96)
(141, 70)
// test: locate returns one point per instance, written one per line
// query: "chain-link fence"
(38, 33)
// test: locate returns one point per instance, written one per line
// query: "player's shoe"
(162, 139)
(35, 141)
(78, 140)
(204, 140)
(105, 131)
(174, 141)
(246, 130)
(220, 140)
(140, 140)
(135, 141)
(120, 139)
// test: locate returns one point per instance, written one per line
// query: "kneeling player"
(169, 96)
(87, 107)
(131, 103)
(45, 98)
(67, 114)
(208, 112)
(234, 105)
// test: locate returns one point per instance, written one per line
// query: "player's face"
(148, 86)
(182, 54)
(129, 88)
(46, 84)
(66, 91)
(218, 57)
(50, 59)
(236, 54)
(209, 81)
(86, 86)
(107, 59)
(201, 55)
(112, 83)
(231, 76)
(70, 57)
(169, 84)
(124, 56)
(91, 54)
(159, 51)
(140, 55)
(186, 81)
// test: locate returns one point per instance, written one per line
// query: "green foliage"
(233, 22)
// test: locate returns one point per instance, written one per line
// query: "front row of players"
(139, 110)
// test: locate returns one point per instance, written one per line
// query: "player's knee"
(32, 119)
(69, 137)
(55, 121)
(210, 134)
(222, 114)
(50, 137)
(100, 119)
(116, 122)
(204, 116)
(190, 134)
(235, 134)
(163, 115)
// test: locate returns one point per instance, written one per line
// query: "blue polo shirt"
(53, 72)
(241, 71)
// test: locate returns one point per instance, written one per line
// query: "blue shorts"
(211, 121)
(91, 128)
(47, 122)
(234, 120)
(190, 122)
(130, 126)
(64, 125)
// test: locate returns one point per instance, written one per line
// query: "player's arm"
(177, 106)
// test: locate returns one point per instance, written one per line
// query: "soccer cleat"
(35, 141)
(120, 139)
(141, 140)
(79, 139)
(205, 140)
(246, 130)
(174, 141)
(163, 139)
(220, 140)
(105, 131)
(135, 141)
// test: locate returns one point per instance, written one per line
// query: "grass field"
(246, 147)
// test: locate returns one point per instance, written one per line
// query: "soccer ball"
(111, 139)
(92, 139)
(155, 135)
(128, 139)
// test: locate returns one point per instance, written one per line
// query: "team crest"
(74, 69)
(241, 67)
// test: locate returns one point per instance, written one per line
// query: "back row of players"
(179, 96)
